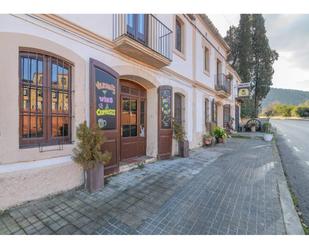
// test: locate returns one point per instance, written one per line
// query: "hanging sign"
(244, 85)
(243, 90)
(106, 99)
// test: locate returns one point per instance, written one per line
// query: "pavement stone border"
(290, 217)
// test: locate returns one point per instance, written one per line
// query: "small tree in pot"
(90, 157)
(268, 132)
(180, 136)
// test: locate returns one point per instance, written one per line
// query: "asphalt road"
(293, 143)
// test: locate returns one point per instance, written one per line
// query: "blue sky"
(289, 35)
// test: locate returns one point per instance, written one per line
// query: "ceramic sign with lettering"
(106, 99)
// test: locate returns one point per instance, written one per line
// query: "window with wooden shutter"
(206, 111)
(179, 35)
(212, 110)
(178, 108)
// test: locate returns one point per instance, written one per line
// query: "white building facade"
(128, 74)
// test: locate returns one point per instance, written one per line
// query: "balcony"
(143, 37)
(222, 85)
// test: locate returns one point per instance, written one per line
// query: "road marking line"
(307, 163)
(296, 149)
(289, 140)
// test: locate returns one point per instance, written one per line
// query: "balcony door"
(137, 27)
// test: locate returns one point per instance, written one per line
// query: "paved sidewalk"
(227, 189)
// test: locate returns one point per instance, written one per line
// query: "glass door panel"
(129, 117)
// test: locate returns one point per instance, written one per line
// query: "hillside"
(285, 96)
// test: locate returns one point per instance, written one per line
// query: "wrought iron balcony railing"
(145, 29)
(222, 83)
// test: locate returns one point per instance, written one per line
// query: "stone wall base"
(22, 182)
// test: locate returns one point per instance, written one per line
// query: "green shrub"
(302, 111)
(283, 110)
(179, 131)
(88, 152)
(267, 128)
(219, 132)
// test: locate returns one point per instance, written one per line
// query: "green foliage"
(263, 59)
(232, 38)
(88, 152)
(267, 128)
(302, 111)
(245, 48)
(283, 110)
(179, 132)
(252, 58)
(247, 108)
(219, 132)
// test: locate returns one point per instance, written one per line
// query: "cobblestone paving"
(227, 189)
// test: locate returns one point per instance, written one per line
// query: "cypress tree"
(231, 38)
(252, 58)
(245, 48)
(263, 59)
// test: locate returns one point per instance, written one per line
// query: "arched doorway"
(133, 125)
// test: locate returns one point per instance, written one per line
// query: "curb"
(290, 217)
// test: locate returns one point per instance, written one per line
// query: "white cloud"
(289, 35)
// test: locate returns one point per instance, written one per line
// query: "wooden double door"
(133, 126)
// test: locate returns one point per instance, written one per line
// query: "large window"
(179, 35)
(207, 119)
(45, 100)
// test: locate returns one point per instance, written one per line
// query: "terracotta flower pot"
(207, 141)
(220, 140)
(95, 178)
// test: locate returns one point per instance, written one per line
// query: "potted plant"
(207, 139)
(180, 136)
(220, 134)
(88, 154)
(268, 134)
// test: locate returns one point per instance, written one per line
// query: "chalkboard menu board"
(166, 107)
(106, 99)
